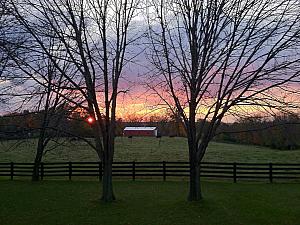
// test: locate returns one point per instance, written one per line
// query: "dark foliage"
(282, 132)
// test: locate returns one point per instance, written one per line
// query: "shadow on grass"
(147, 203)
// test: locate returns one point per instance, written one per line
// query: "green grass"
(148, 203)
(147, 149)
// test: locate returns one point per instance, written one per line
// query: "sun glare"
(90, 120)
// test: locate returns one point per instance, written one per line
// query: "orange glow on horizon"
(145, 107)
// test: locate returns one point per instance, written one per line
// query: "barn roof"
(140, 128)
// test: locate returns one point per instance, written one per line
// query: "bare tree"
(95, 36)
(213, 58)
(40, 87)
(52, 104)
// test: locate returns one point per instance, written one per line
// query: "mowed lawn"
(145, 149)
(148, 203)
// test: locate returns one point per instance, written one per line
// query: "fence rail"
(163, 170)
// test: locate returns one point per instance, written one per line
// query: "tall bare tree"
(95, 36)
(50, 98)
(35, 84)
(214, 57)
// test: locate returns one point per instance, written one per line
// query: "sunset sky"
(141, 103)
(138, 101)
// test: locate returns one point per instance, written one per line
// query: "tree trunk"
(195, 187)
(37, 163)
(39, 153)
(107, 190)
(35, 172)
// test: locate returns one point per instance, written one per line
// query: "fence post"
(234, 172)
(42, 170)
(70, 170)
(100, 171)
(164, 170)
(11, 170)
(133, 170)
(271, 172)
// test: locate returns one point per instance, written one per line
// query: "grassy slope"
(147, 203)
(147, 149)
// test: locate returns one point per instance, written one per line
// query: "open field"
(146, 149)
(148, 203)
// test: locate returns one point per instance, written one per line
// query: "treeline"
(72, 124)
(28, 125)
(282, 132)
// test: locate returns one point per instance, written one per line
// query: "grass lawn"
(146, 149)
(148, 203)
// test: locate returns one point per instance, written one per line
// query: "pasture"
(144, 149)
(78, 202)
(147, 203)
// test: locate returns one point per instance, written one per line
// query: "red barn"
(140, 131)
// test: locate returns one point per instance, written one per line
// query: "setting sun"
(90, 120)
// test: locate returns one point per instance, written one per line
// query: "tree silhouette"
(212, 58)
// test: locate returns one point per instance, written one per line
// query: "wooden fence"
(162, 170)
